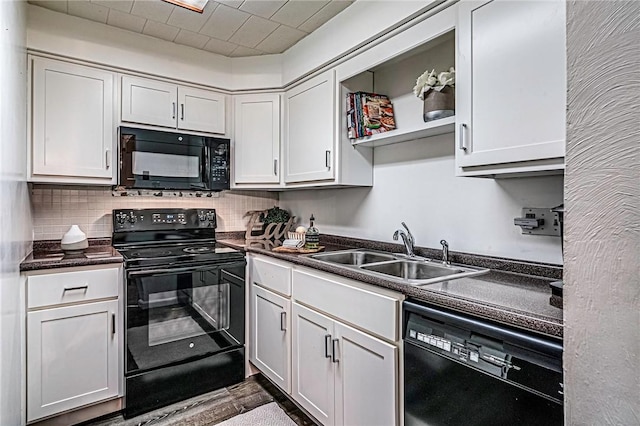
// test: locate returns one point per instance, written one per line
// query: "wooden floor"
(214, 407)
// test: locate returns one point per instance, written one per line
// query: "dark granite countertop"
(514, 292)
(48, 255)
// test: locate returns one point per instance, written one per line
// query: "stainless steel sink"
(353, 257)
(412, 270)
(397, 267)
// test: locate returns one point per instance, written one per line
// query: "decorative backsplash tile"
(56, 208)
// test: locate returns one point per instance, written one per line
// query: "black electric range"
(185, 299)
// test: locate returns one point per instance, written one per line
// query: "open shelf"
(430, 128)
(396, 78)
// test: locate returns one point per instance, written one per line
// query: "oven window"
(172, 317)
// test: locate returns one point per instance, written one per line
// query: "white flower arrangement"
(429, 80)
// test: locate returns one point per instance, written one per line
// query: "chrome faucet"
(409, 241)
(445, 252)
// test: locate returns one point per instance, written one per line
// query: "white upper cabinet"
(157, 103)
(201, 110)
(149, 102)
(257, 139)
(72, 123)
(511, 86)
(310, 130)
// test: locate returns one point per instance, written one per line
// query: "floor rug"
(265, 415)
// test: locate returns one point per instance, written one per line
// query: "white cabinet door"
(310, 130)
(313, 378)
(257, 138)
(270, 347)
(511, 81)
(73, 131)
(149, 102)
(366, 379)
(201, 110)
(72, 357)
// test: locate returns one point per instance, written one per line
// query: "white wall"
(15, 217)
(414, 182)
(602, 250)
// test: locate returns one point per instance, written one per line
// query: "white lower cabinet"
(74, 340)
(313, 384)
(270, 348)
(338, 361)
(341, 375)
(72, 357)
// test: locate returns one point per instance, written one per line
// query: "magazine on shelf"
(368, 114)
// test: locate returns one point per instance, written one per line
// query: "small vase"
(439, 104)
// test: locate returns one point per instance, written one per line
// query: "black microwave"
(151, 159)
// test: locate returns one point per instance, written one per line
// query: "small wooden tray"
(297, 250)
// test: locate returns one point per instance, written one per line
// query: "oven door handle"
(164, 271)
(152, 272)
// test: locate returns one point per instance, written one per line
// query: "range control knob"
(202, 217)
(121, 218)
(211, 216)
(132, 218)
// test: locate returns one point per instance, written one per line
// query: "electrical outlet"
(549, 222)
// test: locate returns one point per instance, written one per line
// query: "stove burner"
(151, 253)
(198, 250)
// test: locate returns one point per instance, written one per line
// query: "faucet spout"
(445, 252)
(407, 239)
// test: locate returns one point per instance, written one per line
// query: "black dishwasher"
(463, 370)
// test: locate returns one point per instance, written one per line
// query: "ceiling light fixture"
(195, 5)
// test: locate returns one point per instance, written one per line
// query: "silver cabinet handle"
(463, 128)
(181, 111)
(83, 288)
(113, 324)
(173, 110)
(283, 321)
(333, 350)
(275, 166)
(107, 158)
(327, 159)
(327, 342)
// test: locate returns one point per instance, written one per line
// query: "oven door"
(175, 315)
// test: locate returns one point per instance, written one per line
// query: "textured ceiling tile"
(220, 47)
(190, 20)
(253, 32)
(160, 30)
(57, 5)
(87, 10)
(126, 21)
(189, 38)
(281, 39)
(263, 8)
(231, 3)
(158, 11)
(324, 14)
(295, 12)
(245, 51)
(121, 5)
(224, 21)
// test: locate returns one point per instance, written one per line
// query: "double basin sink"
(397, 267)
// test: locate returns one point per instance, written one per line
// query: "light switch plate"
(551, 225)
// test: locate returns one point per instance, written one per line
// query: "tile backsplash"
(56, 208)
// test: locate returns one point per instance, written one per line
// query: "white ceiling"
(227, 27)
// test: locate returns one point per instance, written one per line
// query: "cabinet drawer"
(365, 309)
(70, 287)
(271, 274)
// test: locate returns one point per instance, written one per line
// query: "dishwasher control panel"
(468, 349)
